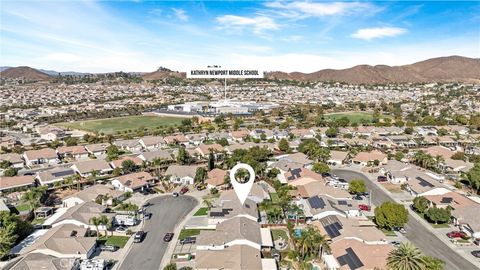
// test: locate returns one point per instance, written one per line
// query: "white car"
(121, 229)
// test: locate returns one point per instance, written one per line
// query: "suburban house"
(98, 149)
(234, 257)
(196, 139)
(307, 187)
(81, 215)
(205, 149)
(396, 171)
(300, 158)
(8, 184)
(159, 154)
(51, 133)
(239, 135)
(50, 177)
(337, 158)
(15, 159)
(132, 182)
(76, 152)
(42, 156)
(152, 142)
(133, 145)
(118, 162)
(320, 206)
(258, 193)
(354, 254)
(216, 178)
(181, 174)
(104, 193)
(85, 168)
(369, 158)
(228, 206)
(177, 140)
(64, 241)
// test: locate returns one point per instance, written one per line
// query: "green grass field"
(354, 117)
(201, 212)
(115, 240)
(113, 125)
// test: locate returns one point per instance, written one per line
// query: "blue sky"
(102, 36)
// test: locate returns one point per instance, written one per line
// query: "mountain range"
(441, 69)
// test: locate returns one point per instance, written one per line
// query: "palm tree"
(406, 257)
(96, 222)
(33, 196)
(207, 203)
(93, 176)
(104, 220)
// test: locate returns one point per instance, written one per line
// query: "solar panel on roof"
(351, 259)
(342, 202)
(424, 183)
(446, 200)
(316, 202)
(62, 173)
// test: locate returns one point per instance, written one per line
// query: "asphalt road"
(167, 212)
(416, 232)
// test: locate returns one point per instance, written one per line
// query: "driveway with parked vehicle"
(167, 212)
(416, 232)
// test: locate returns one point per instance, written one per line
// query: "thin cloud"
(301, 10)
(378, 32)
(258, 24)
(181, 14)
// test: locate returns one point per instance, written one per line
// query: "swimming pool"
(298, 232)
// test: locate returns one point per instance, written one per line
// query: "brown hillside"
(26, 73)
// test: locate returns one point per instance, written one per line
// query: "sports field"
(354, 117)
(113, 125)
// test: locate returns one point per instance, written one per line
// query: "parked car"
(175, 194)
(382, 178)
(476, 253)
(400, 230)
(145, 192)
(364, 207)
(184, 190)
(188, 240)
(326, 174)
(357, 197)
(395, 243)
(121, 229)
(168, 237)
(456, 234)
(201, 187)
(138, 237)
(147, 215)
(110, 248)
(334, 176)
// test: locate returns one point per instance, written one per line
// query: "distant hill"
(442, 69)
(163, 73)
(55, 73)
(26, 73)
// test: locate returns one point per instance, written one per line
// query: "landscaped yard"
(436, 226)
(354, 117)
(113, 125)
(201, 212)
(388, 232)
(392, 187)
(115, 240)
(274, 197)
(277, 234)
(23, 207)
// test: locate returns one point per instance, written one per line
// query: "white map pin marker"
(242, 189)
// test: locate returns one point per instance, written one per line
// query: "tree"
(183, 157)
(112, 152)
(33, 197)
(5, 164)
(420, 204)
(320, 167)
(200, 174)
(10, 172)
(433, 263)
(331, 132)
(312, 243)
(211, 161)
(357, 186)
(7, 237)
(95, 221)
(71, 141)
(170, 266)
(399, 156)
(406, 257)
(105, 221)
(390, 214)
(283, 145)
(473, 176)
(438, 215)
(129, 166)
(12, 230)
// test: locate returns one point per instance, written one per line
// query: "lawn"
(188, 232)
(23, 207)
(274, 197)
(279, 234)
(201, 212)
(113, 125)
(354, 117)
(115, 240)
(388, 232)
(435, 226)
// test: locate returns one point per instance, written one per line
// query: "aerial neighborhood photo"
(239, 135)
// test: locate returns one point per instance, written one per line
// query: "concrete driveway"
(167, 213)
(417, 233)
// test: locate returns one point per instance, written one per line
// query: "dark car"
(357, 197)
(184, 190)
(382, 178)
(138, 236)
(168, 237)
(175, 194)
(325, 175)
(476, 253)
(188, 240)
(110, 248)
(147, 215)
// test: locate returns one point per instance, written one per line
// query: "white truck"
(125, 220)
